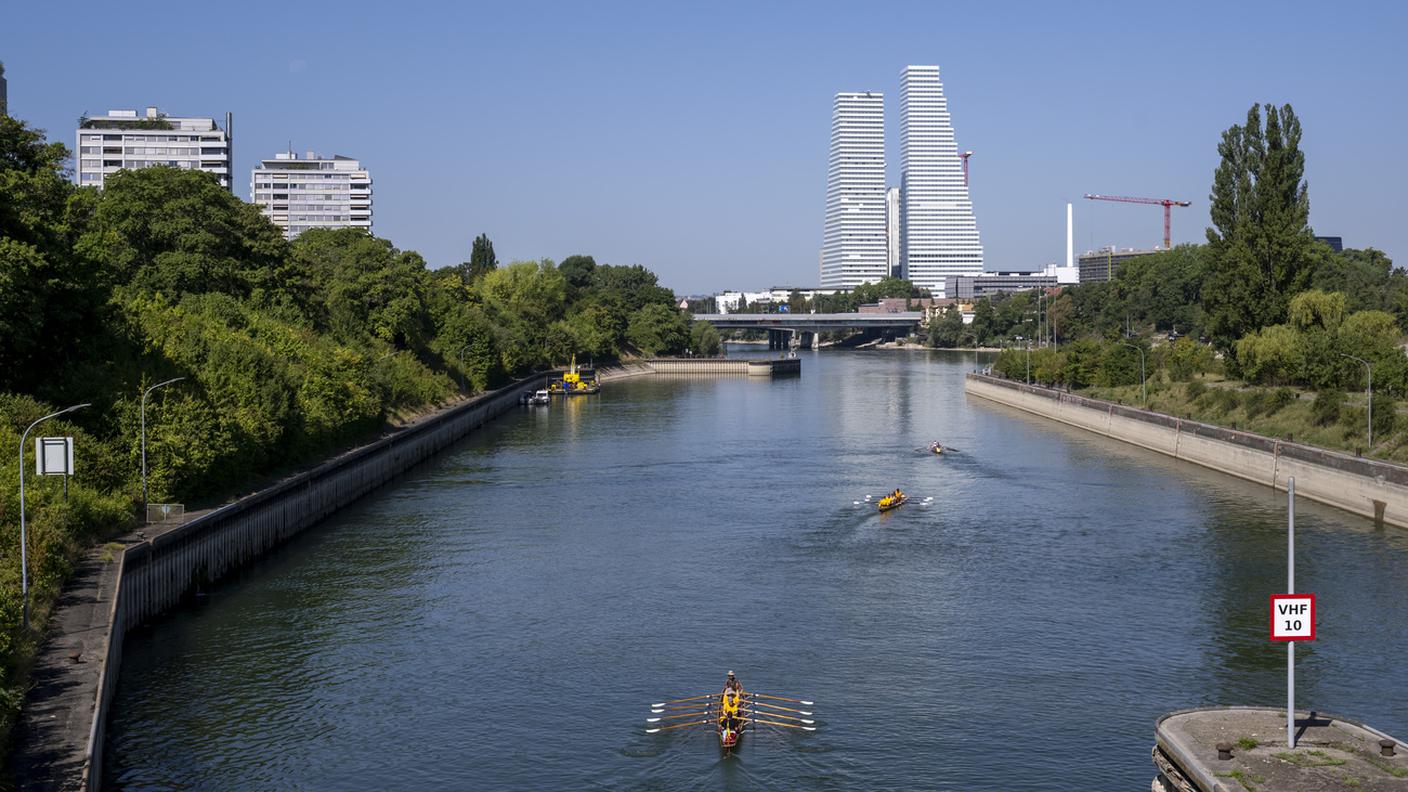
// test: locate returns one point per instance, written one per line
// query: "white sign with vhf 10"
(1292, 617)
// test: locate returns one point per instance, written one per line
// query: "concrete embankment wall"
(61, 735)
(1372, 489)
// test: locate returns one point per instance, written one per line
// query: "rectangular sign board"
(1292, 617)
(53, 456)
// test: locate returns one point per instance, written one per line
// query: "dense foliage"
(287, 349)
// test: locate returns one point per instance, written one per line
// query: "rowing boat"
(891, 501)
(729, 722)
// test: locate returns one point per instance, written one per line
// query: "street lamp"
(1371, 394)
(1143, 389)
(145, 393)
(24, 563)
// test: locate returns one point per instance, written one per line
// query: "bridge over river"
(781, 327)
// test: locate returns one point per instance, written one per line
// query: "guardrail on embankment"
(59, 741)
(1373, 489)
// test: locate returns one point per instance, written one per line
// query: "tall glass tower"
(853, 243)
(938, 233)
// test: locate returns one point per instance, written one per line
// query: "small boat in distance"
(892, 501)
(540, 398)
(936, 447)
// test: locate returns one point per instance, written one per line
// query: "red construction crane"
(1166, 203)
(965, 155)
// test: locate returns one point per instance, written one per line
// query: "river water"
(502, 617)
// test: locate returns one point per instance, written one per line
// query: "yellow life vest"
(730, 703)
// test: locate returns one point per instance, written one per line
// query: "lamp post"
(24, 560)
(1143, 389)
(1029, 361)
(1370, 369)
(146, 393)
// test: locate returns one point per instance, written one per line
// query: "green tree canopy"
(1261, 248)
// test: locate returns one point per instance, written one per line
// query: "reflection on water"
(502, 617)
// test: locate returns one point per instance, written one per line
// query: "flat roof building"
(123, 140)
(1101, 265)
(976, 287)
(312, 192)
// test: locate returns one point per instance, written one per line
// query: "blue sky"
(692, 138)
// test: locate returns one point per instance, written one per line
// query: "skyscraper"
(853, 243)
(123, 140)
(892, 232)
(4, 102)
(313, 192)
(938, 233)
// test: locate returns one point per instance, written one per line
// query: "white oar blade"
(661, 704)
(652, 720)
(809, 728)
(652, 731)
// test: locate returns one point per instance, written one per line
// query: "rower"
(732, 683)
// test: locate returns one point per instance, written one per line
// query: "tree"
(946, 329)
(50, 298)
(1261, 248)
(657, 328)
(578, 270)
(481, 260)
(704, 339)
(983, 321)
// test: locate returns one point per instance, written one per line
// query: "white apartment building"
(892, 232)
(853, 242)
(312, 192)
(938, 233)
(124, 140)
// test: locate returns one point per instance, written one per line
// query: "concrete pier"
(1229, 749)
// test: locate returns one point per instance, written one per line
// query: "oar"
(681, 701)
(677, 726)
(778, 715)
(677, 717)
(783, 725)
(782, 698)
(780, 707)
(657, 709)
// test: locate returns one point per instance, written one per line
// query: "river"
(502, 617)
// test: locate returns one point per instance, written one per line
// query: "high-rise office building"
(312, 192)
(123, 140)
(4, 100)
(892, 232)
(853, 242)
(938, 233)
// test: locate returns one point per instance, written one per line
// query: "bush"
(1385, 415)
(1220, 401)
(1194, 389)
(1280, 399)
(1327, 406)
(1254, 401)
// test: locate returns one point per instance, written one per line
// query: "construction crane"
(1166, 203)
(965, 155)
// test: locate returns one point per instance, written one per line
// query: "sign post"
(1292, 615)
